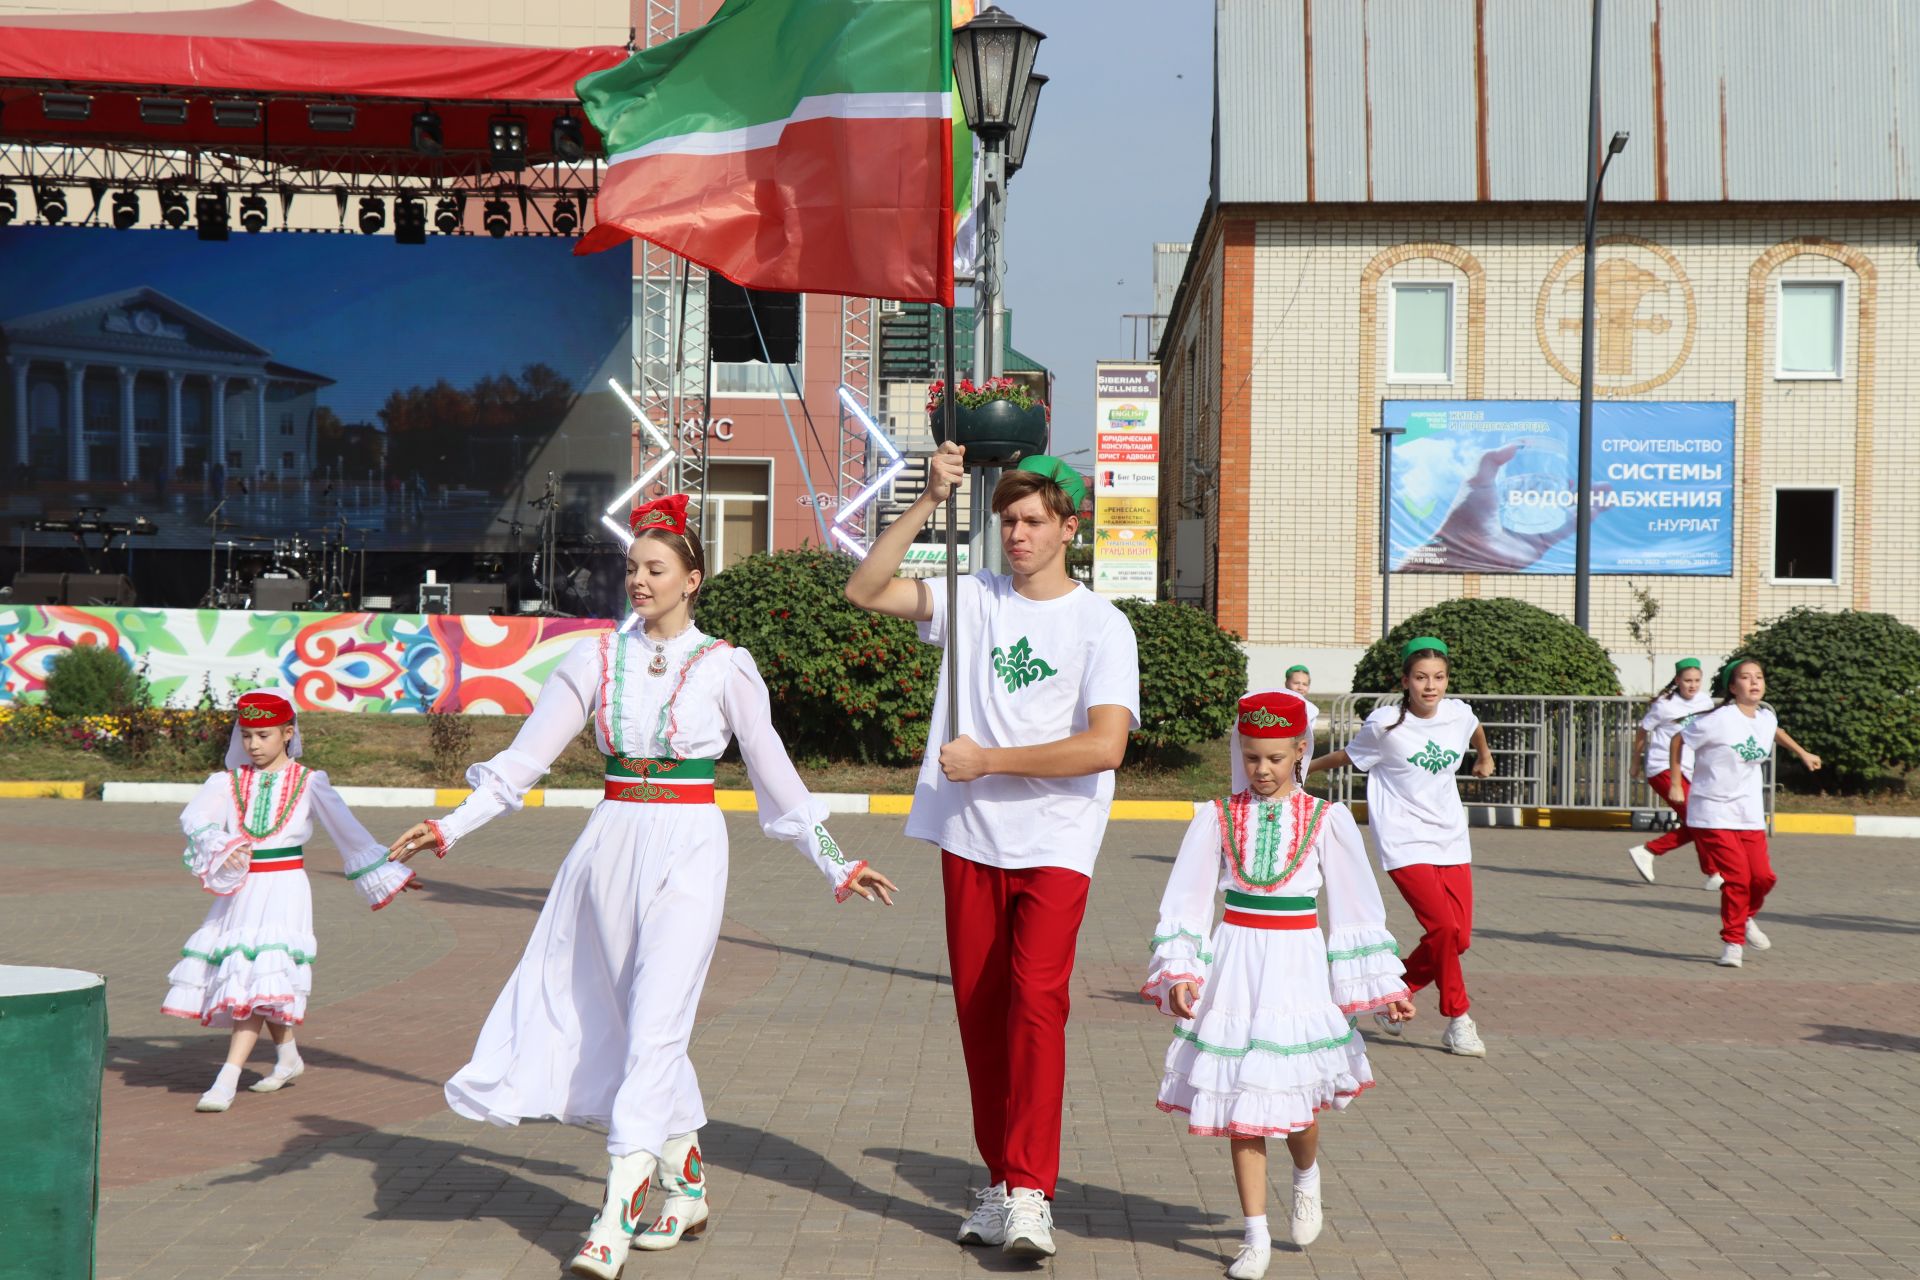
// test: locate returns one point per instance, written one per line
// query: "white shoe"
(1250, 1263)
(684, 1214)
(1029, 1225)
(1306, 1214)
(1756, 939)
(1729, 956)
(1714, 882)
(1387, 1024)
(1642, 862)
(279, 1079)
(987, 1224)
(605, 1252)
(1463, 1038)
(215, 1099)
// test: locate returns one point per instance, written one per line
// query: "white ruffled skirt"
(1267, 1048)
(253, 954)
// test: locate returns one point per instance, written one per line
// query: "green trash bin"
(53, 1043)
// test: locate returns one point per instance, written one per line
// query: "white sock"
(287, 1054)
(228, 1079)
(1307, 1179)
(1258, 1237)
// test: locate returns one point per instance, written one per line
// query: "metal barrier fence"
(1548, 753)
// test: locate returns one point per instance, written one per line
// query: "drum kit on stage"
(324, 569)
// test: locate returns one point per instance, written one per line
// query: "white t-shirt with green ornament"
(1730, 752)
(1413, 797)
(1030, 670)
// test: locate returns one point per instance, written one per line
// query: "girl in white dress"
(250, 963)
(593, 1026)
(1267, 1004)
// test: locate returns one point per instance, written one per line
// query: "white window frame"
(1781, 374)
(691, 374)
(1393, 319)
(718, 546)
(1773, 546)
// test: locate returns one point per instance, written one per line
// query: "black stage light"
(323, 118)
(126, 209)
(9, 206)
(173, 207)
(566, 217)
(429, 139)
(497, 217)
(163, 111)
(210, 215)
(66, 106)
(507, 142)
(253, 212)
(373, 215)
(449, 213)
(97, 187)
(409, 220)
(234, 113)
(52, 203)
(569, 142)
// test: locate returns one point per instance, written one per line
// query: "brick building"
(1395, 213)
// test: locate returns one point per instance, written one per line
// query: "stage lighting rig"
(330, 118)
(496, 215)
(566, 217)
(126, 209)
(210, 215)
(163, 111)
(9, 206)
(235, 113)
(253, 212)
(66, 106)
(51, 201)
(507, 142)
(173, 208)
(569, 141)
(97, 188)
(429, 137)
(409, 220)
(449, 213)
(373, 215)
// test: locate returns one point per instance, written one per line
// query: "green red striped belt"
(1269, 911)
(656, 780)
(292, 859)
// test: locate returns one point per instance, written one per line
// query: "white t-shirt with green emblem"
(1030, 669)
(1730, 750)
(1413, 796)
(1666, 717)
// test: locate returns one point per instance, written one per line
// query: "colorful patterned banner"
(406, 662)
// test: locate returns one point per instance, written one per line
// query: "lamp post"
(1386, 435)
(1583, 496)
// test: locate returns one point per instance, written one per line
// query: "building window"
(651, 343)
(1420, 332)
(286, 463)
(736, 522)
(1806, 535)
(1812, 328)
(286, 424)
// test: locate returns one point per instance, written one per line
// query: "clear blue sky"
(1118, 160)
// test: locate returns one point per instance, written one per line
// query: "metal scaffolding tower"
(859, 326)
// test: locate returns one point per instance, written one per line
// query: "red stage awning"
(265, 51)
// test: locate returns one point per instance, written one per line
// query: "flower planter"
(998, 433)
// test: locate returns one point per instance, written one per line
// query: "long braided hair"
(1406, 669)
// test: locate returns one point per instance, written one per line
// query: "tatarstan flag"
(804, 145)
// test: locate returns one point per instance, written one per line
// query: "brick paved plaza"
(1640, 1112)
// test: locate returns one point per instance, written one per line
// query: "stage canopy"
(107, 70)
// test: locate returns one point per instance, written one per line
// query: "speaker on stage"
(39, 588)
(479, 597)
(731, 311)
(280, 595)
(100, 589)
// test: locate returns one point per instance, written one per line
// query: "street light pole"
(1386, 435)
(1583, 494)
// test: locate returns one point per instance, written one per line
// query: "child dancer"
(249, 964)
(1730, 747)
(593, 1026)
(1409, 754)
(1265, 1039)
(1671, 708)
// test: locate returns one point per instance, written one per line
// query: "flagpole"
(947, 411)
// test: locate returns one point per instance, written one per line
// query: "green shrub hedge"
(1191, 675)
(1498, 645)
(91, 680)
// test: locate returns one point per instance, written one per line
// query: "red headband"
(668, 514)
(1272, 715)
(262, 710)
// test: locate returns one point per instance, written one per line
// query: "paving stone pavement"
(1640, 1112)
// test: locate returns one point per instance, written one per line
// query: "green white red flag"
(803, 145)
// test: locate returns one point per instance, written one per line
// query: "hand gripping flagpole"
(947, 410)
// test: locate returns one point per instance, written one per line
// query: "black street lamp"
(992, 62)
(1023, 128)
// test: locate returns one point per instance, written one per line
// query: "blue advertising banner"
(1488, 486)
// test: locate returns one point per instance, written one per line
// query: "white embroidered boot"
(605, 1252)
(685, 1211)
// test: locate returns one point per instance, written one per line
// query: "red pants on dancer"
(1682, 834)
(1442, 901)
(1010, 939)
(1746, 868)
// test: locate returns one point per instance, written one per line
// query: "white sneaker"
(1756, 939)
(1250, 1263)
(685, 1213)
(987, 1224)
(1714, 882)
(1642, 862)
(605, 1252)
(1306, 1214)
(279, 1079)
(1387, 1024)
(1729, 956)
(1463, 1038)
(1029, 1225)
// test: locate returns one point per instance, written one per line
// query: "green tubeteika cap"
(1724, 676)
(1042, 464)
(1686, 663)
(1297, 667)
(1421, 643)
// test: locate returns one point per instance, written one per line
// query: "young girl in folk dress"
(1731, 745)
(1672, 707)
(1266, 1037)
(1409, 754)
(593, 1026)
(249, 964)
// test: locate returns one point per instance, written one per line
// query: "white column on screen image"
(76, 420)
(176, 451)
(22, 428)
(129, 450)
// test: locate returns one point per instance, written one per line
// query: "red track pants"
(1742, 861)
(1442, 900)
(1682, 834)
(1010, 940)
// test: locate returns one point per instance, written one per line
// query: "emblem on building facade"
(1643, 311)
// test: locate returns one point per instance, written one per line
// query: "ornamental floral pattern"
(1750, 750)
(1434, 758)
(1019, 667)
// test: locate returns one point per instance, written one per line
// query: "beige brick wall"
(1319, 372)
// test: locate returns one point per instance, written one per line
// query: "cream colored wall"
(569, 24)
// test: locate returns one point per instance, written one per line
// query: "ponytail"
(1673, 687)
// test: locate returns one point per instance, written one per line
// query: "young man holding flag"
(1049, 682)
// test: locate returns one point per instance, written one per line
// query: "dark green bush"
(1191, 675)
(1846, 685)
(1499, 645)
(91, 680)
